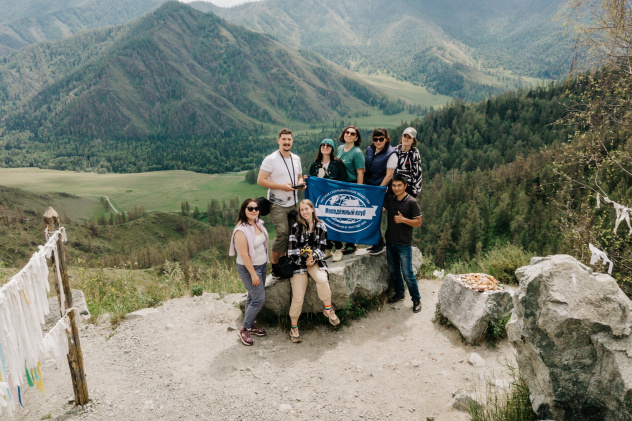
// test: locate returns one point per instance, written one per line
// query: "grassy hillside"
(157, 191)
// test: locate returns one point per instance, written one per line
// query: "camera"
(306, 253)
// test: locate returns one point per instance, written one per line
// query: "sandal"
(333, 319)
(294, 336)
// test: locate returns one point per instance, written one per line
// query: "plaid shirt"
(317, 240)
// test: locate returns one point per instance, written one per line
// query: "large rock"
(572, 332)
(354, 277)
(471, 311)
(78, 302)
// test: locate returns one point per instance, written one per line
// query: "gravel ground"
(182, 362)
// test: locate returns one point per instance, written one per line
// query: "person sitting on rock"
(404, 214)
(308, 241)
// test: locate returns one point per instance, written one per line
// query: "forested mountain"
(25, 22)
(456, 48)
(175, 74)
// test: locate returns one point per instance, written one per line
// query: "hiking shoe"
(395, 298)
(349, 249)
(328, 254)
(416, 306)
(333, 319)
(244, 335)
(376, 249)
(337, 256)
(294, 336)
(256, 330)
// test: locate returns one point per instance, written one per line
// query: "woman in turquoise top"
(353, 158)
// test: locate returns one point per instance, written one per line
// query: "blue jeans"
(400, 264)
(256, 294)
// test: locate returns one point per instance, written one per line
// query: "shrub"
(512, 404)
(197, 290)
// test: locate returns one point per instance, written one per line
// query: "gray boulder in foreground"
(571, 329)
(471, 311)
(355, 276)
(78, 301)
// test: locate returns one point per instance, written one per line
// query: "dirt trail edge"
(181, 362)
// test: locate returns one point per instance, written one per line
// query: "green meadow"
(156, 191)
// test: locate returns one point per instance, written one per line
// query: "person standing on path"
(404, 214)
(250, 243)
(351, 155)
(409, 161)
(280, 173)
(328, 166)
(307, 249)
(381, 162)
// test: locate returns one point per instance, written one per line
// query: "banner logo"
(346, 210)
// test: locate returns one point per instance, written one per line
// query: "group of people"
(302, 236)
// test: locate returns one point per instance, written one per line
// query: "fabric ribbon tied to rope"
(623, 213)
(599, 255)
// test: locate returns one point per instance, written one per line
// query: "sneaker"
(376, 249)
(349, 249)
(328, 254)
(256, 330)
(333, 319)
(416, 306)
(294, 336)
(337, 256)
(244, 335)
(395, 298)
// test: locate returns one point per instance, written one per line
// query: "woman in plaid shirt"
(308, 231)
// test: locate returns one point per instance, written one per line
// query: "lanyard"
(292, 176)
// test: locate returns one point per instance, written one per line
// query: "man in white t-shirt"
(279, 172)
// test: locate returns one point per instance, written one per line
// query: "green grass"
(512, 404)
(156, 191)
(397, 89)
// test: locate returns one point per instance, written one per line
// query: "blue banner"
(352, 212)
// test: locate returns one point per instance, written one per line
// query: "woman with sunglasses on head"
(351, 155)
(381, 163)
(409, 161)
(328, 166)
(308, 239)
(250, 243)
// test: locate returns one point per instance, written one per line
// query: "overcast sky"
(223, 3)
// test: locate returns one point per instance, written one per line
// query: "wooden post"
(75, 357)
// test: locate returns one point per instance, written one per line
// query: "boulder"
(471, 311)
(78, 301)
(572, 329)
(355, 277)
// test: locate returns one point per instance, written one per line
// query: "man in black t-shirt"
(403, 215)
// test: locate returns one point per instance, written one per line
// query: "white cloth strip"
(599, 255)
(623, 213)
(23, 306)
(55, 343)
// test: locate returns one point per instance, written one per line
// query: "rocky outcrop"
(572, 332)
(78, 302)
(354, 277)
(471, 311)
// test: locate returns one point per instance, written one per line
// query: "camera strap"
(292, 176)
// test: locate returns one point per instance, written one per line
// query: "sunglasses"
(378, 139)
(253, 208)
(350, 133)
(325, 146)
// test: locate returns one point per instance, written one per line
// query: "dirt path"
(182, 363)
